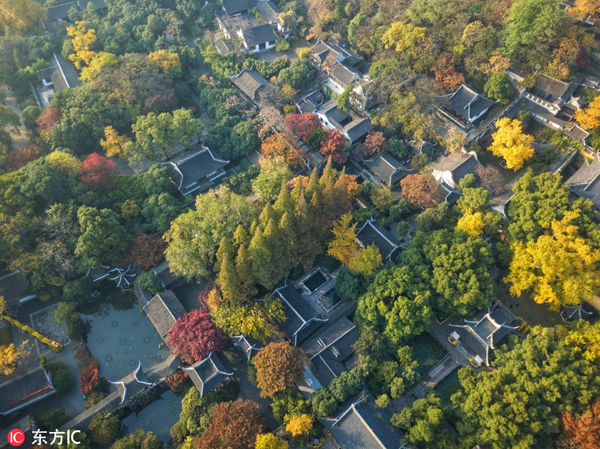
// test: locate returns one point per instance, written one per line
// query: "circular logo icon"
(16, 437)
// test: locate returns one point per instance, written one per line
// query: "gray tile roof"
(97, 4)
(163, 311)
(164, 275)
(387, 168)
(208, 374)
(330, 349)
(350, 123)
(13, 286)
(250, 82)
(223, 46)
(458, 164)
(551, 89)
(364, 425)
(372, 232)
(26, 424)
(268, 10)
(259, 34)
(196, 171)
(132, 384)
(585, 182)
(60, 12)
(322, 50)
(468, 104)
(302, 321)
(344, 74)
(24, 390)
(65, 75)
(249, 345)
(235, 6)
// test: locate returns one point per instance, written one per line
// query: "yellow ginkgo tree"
(511, 143)
(559, 267)
(83, 39)
(589, 118)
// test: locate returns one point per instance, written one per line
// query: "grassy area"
(426, 351)
(447, 387)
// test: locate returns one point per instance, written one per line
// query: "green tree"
(423, 423)
(397, 304)
(366, 261)
(498, 87)
(532, 22)
(103, 238)
(272, 175)
(104, 429)
(244, 140)
(138, 440)
(518, 405)
(160, 210)
(194, 236)
(163, 133)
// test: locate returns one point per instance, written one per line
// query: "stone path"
(19, 137)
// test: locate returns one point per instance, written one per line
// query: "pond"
(157, 417)
(120, 339)
(314, 281)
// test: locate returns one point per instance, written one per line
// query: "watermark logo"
(41, 437)
(16, 437)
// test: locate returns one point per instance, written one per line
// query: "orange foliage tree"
(279, 146)
(585, 430)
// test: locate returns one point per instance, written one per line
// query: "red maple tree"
(584, 430)
(375, 143)
(302, 124)
(333, 145)
(48, 119)
(447, 77)
(233, 425)
(22, 156)
(422, 190)
(194, 336)
(98, 172)
(177, 379)
(146, 250)
(89, 379)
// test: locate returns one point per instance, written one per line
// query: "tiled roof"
(26, 424)
(196, 171)
(250, 82)
(344, 73)
(13, 285)
(259, 34)
(353, 125)
(459, 164)
(302, 320)
(364, 425)
(164, 274)
(372, 233)
(65, 75)
(97, 4)
(208, 374)
(132, 384)
(60, 12)
(247, 344)
(387, 168)
(550, 89)
(163, 311)
(585, 182)
(24, 390)
(268, 10)
(235, 6)
(223, 46)
(468, 104)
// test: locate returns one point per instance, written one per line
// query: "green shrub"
(52, 419)
(148, 281)
(104, 429)
(60, 378)
(348, 286)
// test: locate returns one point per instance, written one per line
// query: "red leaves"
(22, 156)
(89, 379)
(194, 336)
(302, 124)
(333, 145)
(177, 379)
(422, 190)
(234, 425)
(375, 143)
(48, 119)
(97, 172)
(146, 250)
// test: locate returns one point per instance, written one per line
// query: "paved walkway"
(19, 137)
(441, 332)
